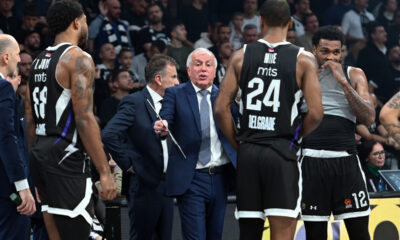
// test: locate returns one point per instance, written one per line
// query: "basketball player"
(59, 113)
(272, 75)
(333, 181)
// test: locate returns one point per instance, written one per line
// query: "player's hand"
(109, 190)
(27, 207)
(37, 196)
(337, 71)
(161, 128)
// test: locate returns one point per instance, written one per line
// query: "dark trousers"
(13, 226)
(150, 211)
(202, 207)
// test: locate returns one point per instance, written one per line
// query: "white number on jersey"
(272, 92)
(39, 99)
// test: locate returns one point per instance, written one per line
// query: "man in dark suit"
(145, 156)
(14, 164)
(199, 180)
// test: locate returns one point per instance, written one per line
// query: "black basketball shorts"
(268, 184)
(333, 182)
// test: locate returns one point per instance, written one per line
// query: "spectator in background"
(123, 85)
(32, 43)
(107, 27)
(386, 14)
(311, 25)
(291, 36)
(195, 18)
(101, 91)
(178, 50)
(236, 25)
(249, 16)
(24, 65)
(8, 22)
(393, 31)
(224, 34)
(355, 21)
(208, 39)
(140, 61)
(225, 51)
(29, 21)
(372, 156)
(125, 60)
(156, 30)
(250, 33)
(372, 59)
(302, 7)
(135, 14)
(335, 13)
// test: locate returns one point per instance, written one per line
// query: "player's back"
(270, 95)
(53, 113)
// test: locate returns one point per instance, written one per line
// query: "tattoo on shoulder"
(395, 101)
(83, 86)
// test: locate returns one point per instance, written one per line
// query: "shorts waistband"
(323, 153)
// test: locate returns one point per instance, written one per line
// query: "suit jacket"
(142, 150)
(14, 162)
(181, 110)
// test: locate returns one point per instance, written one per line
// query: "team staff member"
(59, 110)
(145, 156)
(199, 181)
(13, 163)
(333, 181)
(271, 75)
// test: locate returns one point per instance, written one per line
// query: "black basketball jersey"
(270, 97)
(52, 107)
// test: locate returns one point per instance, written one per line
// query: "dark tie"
(205, 150)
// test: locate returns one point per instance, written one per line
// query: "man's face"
(303, 6)
(13, 58)
(83, 36)
(238, 21)
(30, 22)
(107, 52)
(379, 35)
(312, 24)
(250, 35)
(202, 70)
(25, 64)
(124, 82)
(14, 79)
(394, 55)
(391, 5)
(170, 77)
(250, 6)
(328, 50)
(139, 7)
(33, 41)
(125, 59)
(291, 36)
(180, 33)
(114, 9)
(6, 5)
(226, 50)
(154, 14)
(224, 34)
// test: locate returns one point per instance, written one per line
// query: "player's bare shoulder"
(237, 60)
(306, 62)
(357, 76)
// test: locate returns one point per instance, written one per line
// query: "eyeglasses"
(378, 153)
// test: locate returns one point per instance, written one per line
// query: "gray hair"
(249, 27)
(200, 50)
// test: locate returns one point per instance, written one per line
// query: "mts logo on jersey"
(270, 58)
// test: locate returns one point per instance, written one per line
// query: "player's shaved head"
(275, 13)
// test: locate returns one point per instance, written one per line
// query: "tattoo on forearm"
(393, 131)
(395, 101)
(362, 109)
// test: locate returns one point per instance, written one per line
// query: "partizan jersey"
(53, 114)
(270, 97)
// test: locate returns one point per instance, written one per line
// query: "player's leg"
(282, 228)
(357, 228)
(51, 226)
(316, 230)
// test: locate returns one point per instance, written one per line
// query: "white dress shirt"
(157, 105)
(218, 156)
(21, 184)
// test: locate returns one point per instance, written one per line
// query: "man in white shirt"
(355, 21)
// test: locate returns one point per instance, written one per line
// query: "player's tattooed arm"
(358, 97)
(389, 117)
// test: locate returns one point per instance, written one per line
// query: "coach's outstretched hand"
(161, 128)
(109, 189)
(27, 207)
